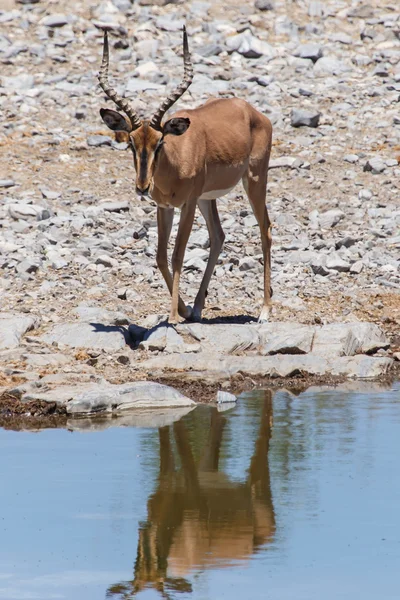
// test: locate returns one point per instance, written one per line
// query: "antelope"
(191, 159)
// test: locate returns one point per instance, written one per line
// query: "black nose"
(142, 192)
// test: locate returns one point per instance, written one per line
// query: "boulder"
(297, 339)
(347, 339)
(304, 118)
(223, 339)
(13, 326)
(116, 398)
(94, 336)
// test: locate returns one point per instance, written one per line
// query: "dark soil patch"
(18, 415)
(205, 392)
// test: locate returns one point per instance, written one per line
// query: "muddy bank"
(16, 414)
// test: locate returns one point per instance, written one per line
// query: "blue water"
(281, 497)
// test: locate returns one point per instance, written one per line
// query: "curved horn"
(103, 80)
(186, 81)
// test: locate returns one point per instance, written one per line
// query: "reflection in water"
(199, 517)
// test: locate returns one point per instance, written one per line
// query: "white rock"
(329, 65)
(225, 397)
(13, 326)
(95, 336)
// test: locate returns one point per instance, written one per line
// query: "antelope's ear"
(176, 126)
(114, 120)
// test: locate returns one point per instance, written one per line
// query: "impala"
(192, 159)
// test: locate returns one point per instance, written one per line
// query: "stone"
(351, 158)
(94, 336)
(116, 206)
(345, 242)
(335, 263)
(28, 265)
(249, 46)
(223, 339)
(106, 261)
(316, 8)
(117, 398)
(55, 260)
(361, 367)
(99, 140)
(365, 194)
(330, 218)
(247, 264)
(49, 194)
(318, 265)
(6, 183)
(155, 339)
(13, 326)
(369, 338)
(296, 340)
(363, 11)
(329, 65)
(304, 118)
(18, 83)
(357, 267)
(46, 360)
(347, 339)
(97, 314)
(26, 211)
(282, 162)
(227, 366)
(312, 51)
(303, 257)
(264, 5)
(225, 397)
(376, 165)
(55, 20)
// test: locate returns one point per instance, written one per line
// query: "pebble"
(304, 118)
(376, 165)
(336, 263)
(6, 183)
(99, 140)
(312, 51)
(55, 20)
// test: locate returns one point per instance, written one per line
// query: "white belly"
(214, 194)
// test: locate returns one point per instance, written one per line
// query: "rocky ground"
(77, 246)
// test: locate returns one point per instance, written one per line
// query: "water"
(281, 497)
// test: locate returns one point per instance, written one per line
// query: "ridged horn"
(110, 92)
(180, 90)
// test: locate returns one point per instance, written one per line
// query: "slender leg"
(165, 217)
(185, 227)
(209, 211)
(256, 191)
(210, 458)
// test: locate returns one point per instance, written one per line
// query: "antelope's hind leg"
(165, 218)
(209, 211)
(256, 189)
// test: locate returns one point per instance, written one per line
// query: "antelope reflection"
(198, 517)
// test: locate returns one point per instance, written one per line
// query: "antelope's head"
(145, 137)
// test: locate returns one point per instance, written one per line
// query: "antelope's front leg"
(185, 227)
(165, 217)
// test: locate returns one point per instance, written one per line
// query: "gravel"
(71, 226)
